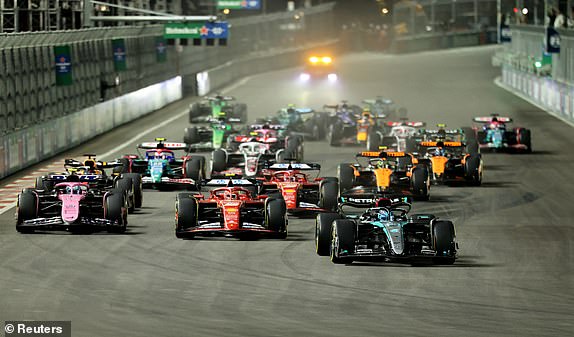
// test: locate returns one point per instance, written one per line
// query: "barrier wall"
(555, 97)
(25, 147)
(424, 42)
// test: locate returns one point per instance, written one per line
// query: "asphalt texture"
(514, 275)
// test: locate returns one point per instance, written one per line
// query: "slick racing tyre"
(115, 210)
(27, 210)
(185, 215)
(137, 188)
(328, 194)
(444, 243)
(194, 170)
(420, 183)
(276, 216)
(524, 138)
(346, 175)
(323, 224)
(473, 170)
(126, 184)
(43, 184)
(191, 136)
(342, 241)
(219, 160)
(373, 141)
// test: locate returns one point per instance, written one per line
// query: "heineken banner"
(161, 49)
(63, 65)
(119, 50)
(196, 30)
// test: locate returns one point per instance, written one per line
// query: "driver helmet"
(439, 151)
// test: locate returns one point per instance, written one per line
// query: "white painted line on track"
(500, 84)
(142, 134)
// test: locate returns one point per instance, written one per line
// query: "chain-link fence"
(28, 90)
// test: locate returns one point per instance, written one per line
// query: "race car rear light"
(304, 77)
(332, 77)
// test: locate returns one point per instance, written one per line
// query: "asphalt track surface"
(514, 277)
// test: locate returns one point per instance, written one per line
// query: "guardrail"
(435, 41)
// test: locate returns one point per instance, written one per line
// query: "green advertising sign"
(238, 4)
(189, 30)
(63, 63)
(160, 49)
(119, 50)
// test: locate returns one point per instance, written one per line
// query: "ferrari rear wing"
(294, 166)
(229, 182)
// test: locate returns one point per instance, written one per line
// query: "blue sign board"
(552, 41)
(214, 30)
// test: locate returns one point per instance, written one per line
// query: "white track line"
(231, 87)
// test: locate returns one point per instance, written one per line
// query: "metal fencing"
(28, 90)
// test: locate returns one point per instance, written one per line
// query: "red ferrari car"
(302, 194)
(231, 211)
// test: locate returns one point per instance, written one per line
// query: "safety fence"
(546, 79)
(29, 93)
(41, 118)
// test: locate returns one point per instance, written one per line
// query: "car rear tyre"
(191, 136)
(373, 141)
(346, 175)
(194, 170)
(219, 160)
(123, 168)
(473, 170)
(420, 183)
(137, 188)
(115, 210)
(524, 138)
(126, 184)
(328, 194)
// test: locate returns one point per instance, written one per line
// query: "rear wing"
(97, 164)
(405, 123)
(381, 154)
(220, 98)
(446, 131)
(441, 144)
(490, 119)
(162, 145)
(267, 126)
(222, 182)
(294, 166)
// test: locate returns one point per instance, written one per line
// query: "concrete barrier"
(435, 41)
(555, 97)
(28, 146)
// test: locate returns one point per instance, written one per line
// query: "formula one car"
(93, 173)
(450, 162)
(305, 122)
(216, 107)
(231, 211)
(389, 172)
(72, 205)
(211, 137)
(397, 136)
(303, 195)
(342, 123)
(494, 135)
(381, 107)
(160, 169)
(278, 141)
(319, 67)
(384, 232)
(442, 134)
(248, 160)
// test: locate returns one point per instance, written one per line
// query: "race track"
(514, 277)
